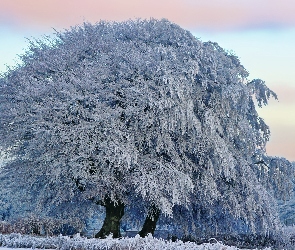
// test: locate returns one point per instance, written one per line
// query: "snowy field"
(18, 241)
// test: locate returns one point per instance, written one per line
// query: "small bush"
(41, 226)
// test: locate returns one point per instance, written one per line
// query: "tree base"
(150, 223)
(111, 224)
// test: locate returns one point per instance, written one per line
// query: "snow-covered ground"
(6, 248)
(18, 241)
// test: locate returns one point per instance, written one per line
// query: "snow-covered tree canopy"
(137, 108)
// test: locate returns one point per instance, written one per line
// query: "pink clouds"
(281, 120)
(214, 14)
(286, 94)
(282, 141)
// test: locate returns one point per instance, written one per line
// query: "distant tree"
(110, 112)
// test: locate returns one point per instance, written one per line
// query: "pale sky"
(261, 33)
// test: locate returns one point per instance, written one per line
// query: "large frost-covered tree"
(114, 113)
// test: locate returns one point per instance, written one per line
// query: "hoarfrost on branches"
(113, 113)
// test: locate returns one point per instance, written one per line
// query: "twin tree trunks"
(114, 213)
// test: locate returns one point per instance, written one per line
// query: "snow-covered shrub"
(32, 224)
(79, 243)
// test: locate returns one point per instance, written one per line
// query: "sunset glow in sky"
(261, 33)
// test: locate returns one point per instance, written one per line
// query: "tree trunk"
(150, 223)
(111, 224)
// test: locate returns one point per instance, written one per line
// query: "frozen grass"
(6, 248)
(17, 241)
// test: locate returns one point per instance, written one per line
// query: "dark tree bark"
(150, 222)
(111, 224)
